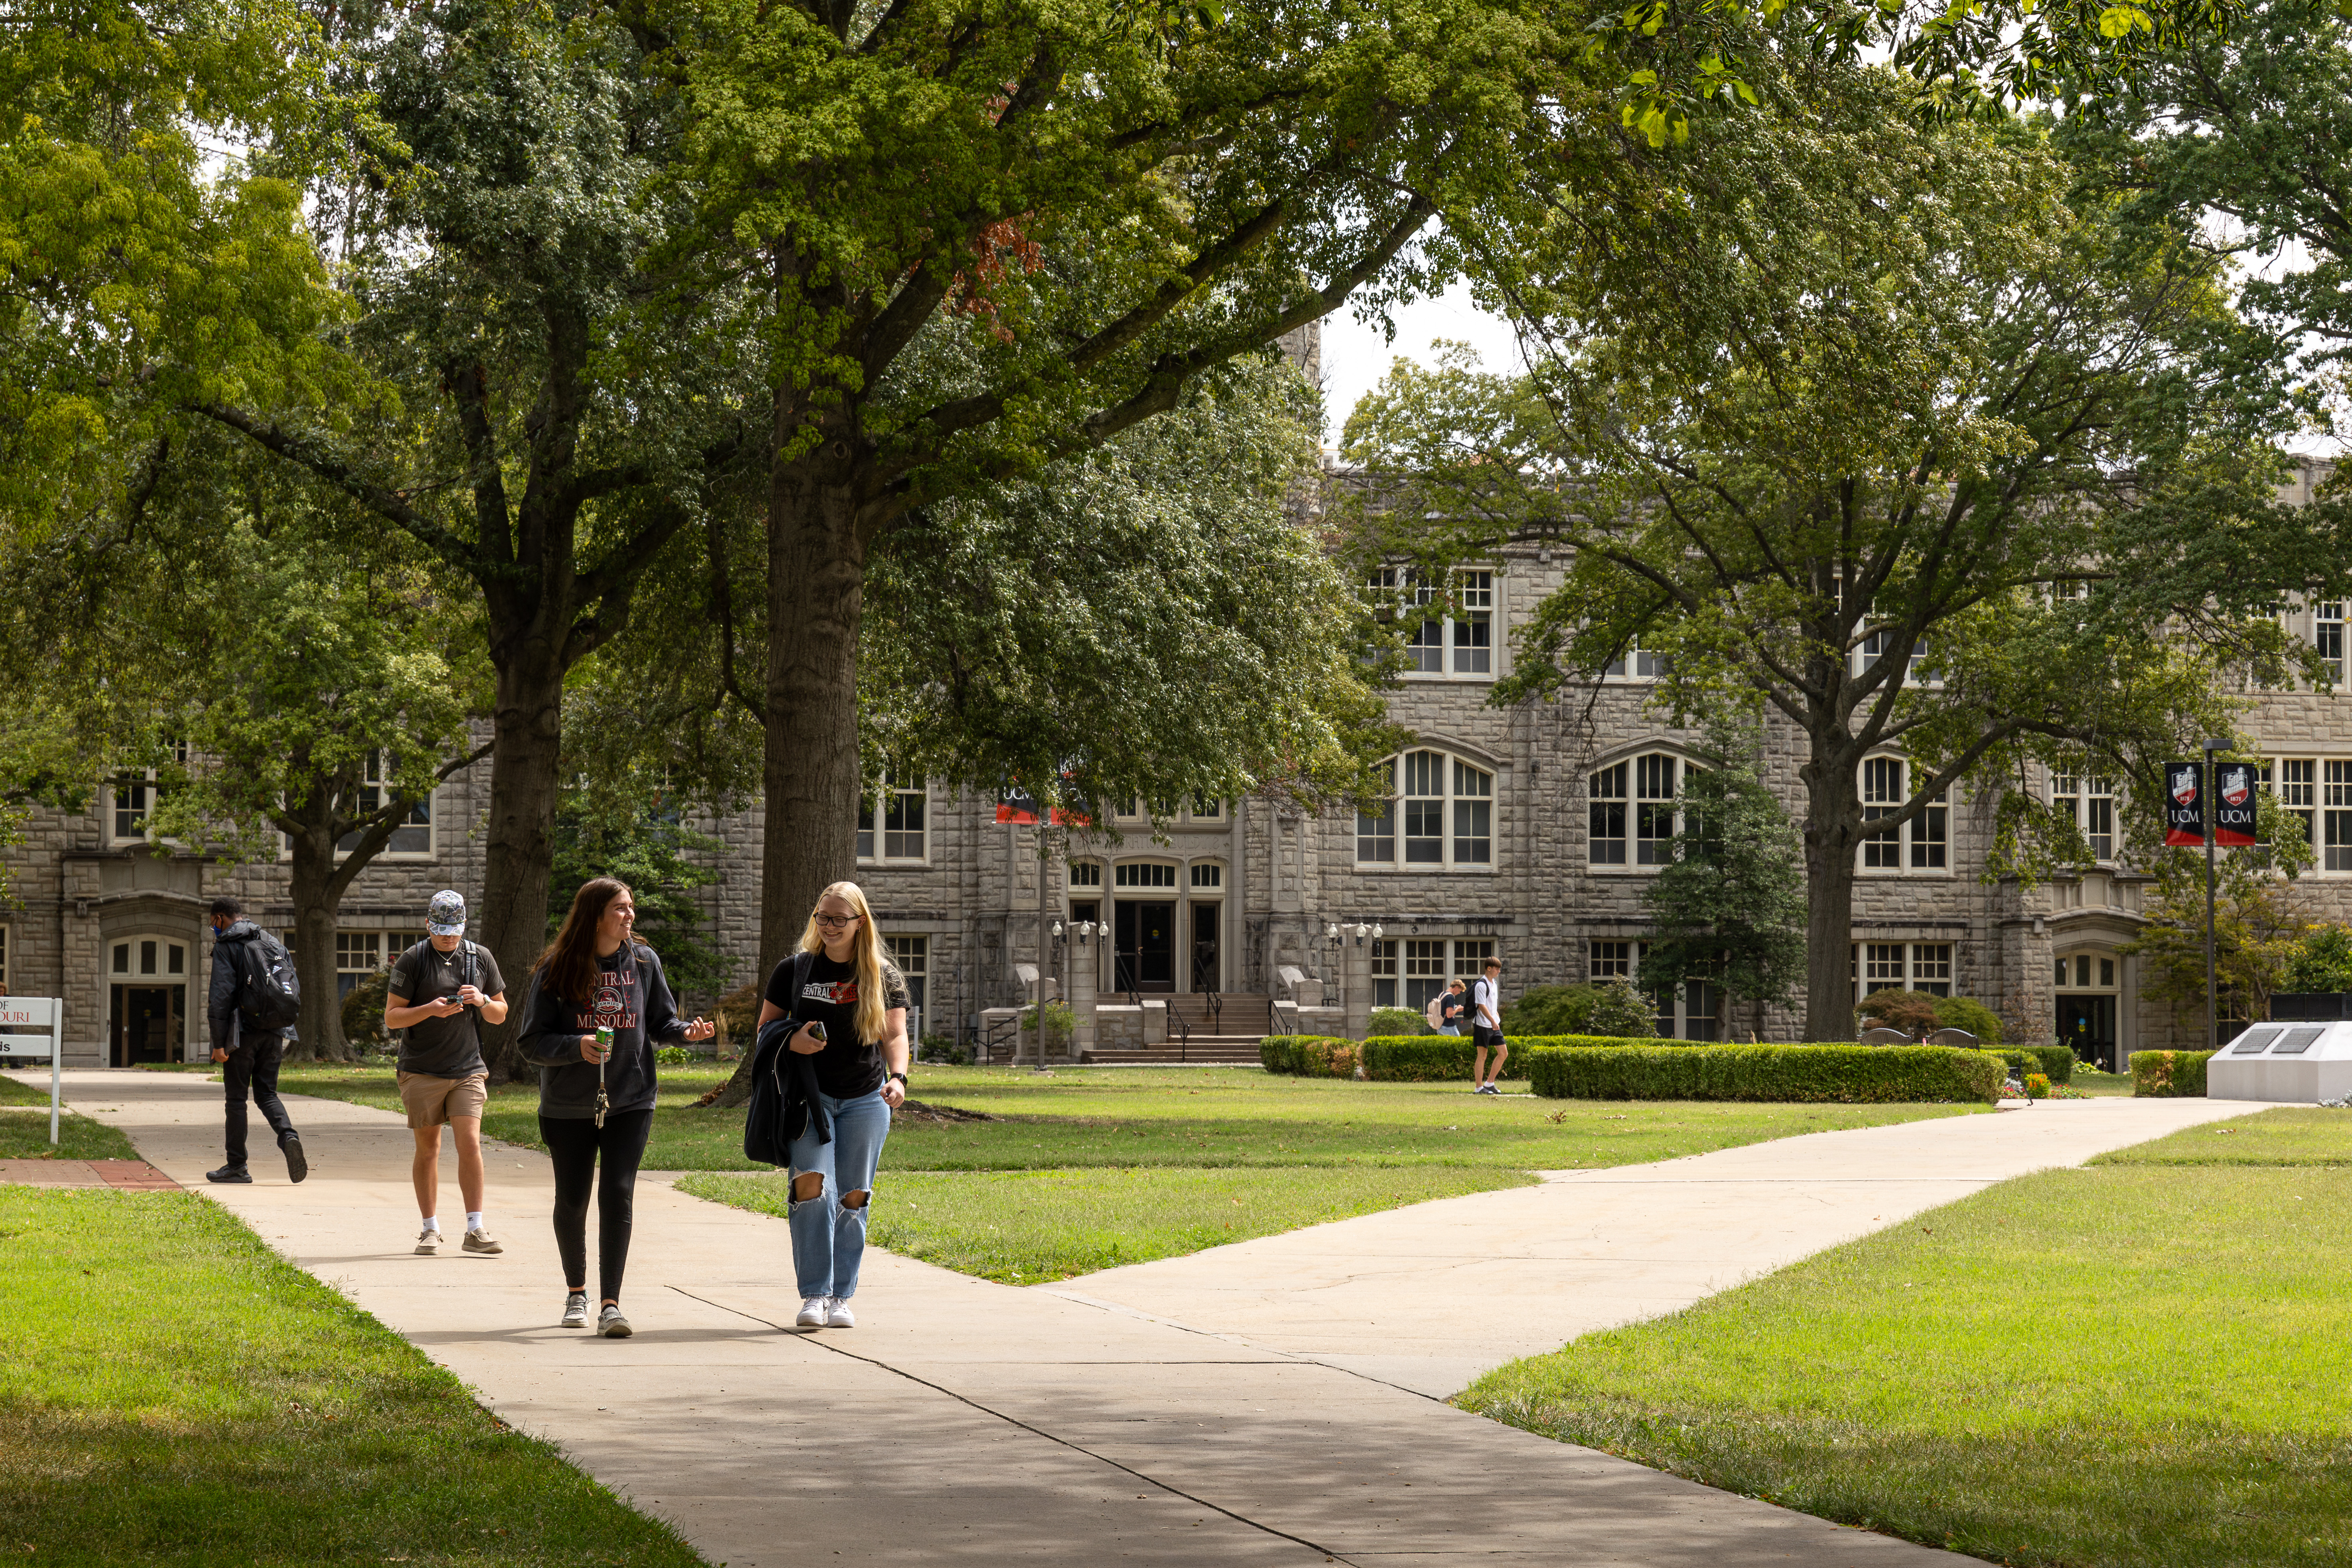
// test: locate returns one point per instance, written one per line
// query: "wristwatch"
(900, 1076)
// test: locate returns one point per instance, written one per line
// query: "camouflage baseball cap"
(445, 915)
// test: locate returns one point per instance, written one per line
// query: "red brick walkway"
(131, 1175)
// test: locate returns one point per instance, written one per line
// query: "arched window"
(1631, 816)
(1445, 806)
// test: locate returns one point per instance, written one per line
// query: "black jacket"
(549, 1038)
(228, 975)
(784, 1101)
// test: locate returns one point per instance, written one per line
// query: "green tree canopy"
(1875, 416)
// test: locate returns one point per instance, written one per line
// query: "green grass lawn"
(24, 1135)
(1083, 1168)
(176, 1395)
(1026, 1227)
(2133, 1364)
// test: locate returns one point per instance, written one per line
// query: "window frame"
(1455, 818)
(1457, 642)
(2328, 636)
(1919, 847)
(2088, 798)
(151, 791)
(1646, 823)
(1932, 967)
(875, 813)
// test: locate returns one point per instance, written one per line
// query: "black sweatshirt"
(631, 999)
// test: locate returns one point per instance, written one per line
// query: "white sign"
(29, 1013)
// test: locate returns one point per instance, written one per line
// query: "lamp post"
(2205, 808)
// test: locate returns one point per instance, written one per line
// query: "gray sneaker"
(611, 1324)
(575, 1310)
(428, 1242)
(479, 1241)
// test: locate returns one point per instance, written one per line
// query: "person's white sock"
(433, 1222)
(473, 1219)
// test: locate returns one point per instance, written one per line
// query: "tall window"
(1425, 972)
(1208, 874)
(1639, 792)
(913, 956)
(2297, 787)
(1903, 966)
(136, 794)
(1447, 806)
(1923, 844)
(1637, 663)
(2327, 638)
(1384, 974)
(2336, 824)
(358, 954)
(893, 820)
(2089, 803)
(414, 833)
(1439, 642)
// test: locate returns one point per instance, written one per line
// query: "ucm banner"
(2234, 785)
(2184, 804)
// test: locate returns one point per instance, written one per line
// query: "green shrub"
(2169, 1075)
(1965, 1012)
(1840, 1074)
(1061, 1024)
(1398, 1021)
(1428, 1058)
(363, 1013)
(1918, 1012)
(677, 1056)
(1309, 1056)
(1547, 1010)
(2055, 1063)
(1622, 1013)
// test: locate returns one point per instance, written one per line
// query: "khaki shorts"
(430, 1101)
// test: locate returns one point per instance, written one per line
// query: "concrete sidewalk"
(1131, 1417)
(1432, 1297)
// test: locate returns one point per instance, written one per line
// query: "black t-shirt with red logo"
(847, 1067)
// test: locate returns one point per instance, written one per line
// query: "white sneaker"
(812, 1313)
(839, 1316)
(575, 1310)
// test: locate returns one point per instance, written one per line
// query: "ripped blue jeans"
(828, 1235)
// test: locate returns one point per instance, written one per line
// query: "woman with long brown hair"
(849, 1006)
(596, 1102)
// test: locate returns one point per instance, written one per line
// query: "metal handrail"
(997, 1031)
(1214, 1005)
(1184, 1034)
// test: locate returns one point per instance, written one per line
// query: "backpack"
(473, 964)
(1436, 1011)
(269, 993)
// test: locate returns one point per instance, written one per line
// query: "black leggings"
(574, 1143)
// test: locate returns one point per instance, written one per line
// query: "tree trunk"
(525, 757)
(817, 589)
(316, 904)
(1832, 824)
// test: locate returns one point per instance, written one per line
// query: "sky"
(1356, 356)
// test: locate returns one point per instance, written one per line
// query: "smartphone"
(817, 1031)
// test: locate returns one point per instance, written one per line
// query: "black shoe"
(230, 1173)
(297, 1167)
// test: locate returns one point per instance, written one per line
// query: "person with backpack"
(1446, 1009)
(254, 998)
(596, 1005)
(455, 988)
(846, 1007)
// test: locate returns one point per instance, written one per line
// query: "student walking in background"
(1486, 1029)
(1446, 1009)
(249, 1050)
(596, 1100)
(455, 987)
(850, 1003)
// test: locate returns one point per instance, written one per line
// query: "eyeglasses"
(834, 923)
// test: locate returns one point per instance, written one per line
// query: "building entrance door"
(1208, 968)
(146, 1023)
(2088, 1024)
(1146, 946)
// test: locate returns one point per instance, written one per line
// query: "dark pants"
(253, 1069)
(574, 1143)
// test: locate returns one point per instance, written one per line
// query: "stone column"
(1078, 963)
(1356, 986)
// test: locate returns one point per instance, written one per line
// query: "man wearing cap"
(455, 987)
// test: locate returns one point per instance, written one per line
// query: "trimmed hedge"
(1309, 1056)
(1838, 1074)
(1428, 1058)
(2169, 1075)
(2055, 1063)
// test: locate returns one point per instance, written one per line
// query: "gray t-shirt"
(451, 1046)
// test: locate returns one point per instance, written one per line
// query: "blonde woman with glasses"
(850, 1005)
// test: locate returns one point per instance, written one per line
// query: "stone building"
(1524, 833)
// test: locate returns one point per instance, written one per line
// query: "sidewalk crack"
(1330, 1554)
